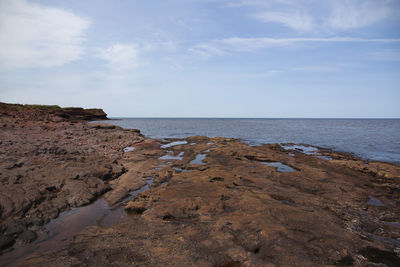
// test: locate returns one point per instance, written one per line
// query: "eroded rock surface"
(225, 208)
(235, 211)
(48, 166)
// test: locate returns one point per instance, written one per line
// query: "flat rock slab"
(234, 211)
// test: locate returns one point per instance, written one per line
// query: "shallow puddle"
(171, 157)
(324, 157)
(375, 202)
(181, 170)
(60, 231)
(280, 167)
(199, 159)
(149, 182)
(176, 143)
(308, 150)
(128, 149)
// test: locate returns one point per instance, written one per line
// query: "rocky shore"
(193, 202)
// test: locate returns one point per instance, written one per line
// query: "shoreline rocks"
(48, 164)
(228, 211)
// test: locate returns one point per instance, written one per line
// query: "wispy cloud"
(34, 36)
(237, 44)
(261, 75)
(119, 55)
(261, 3)
(321, 68)
(353, 14)
(207, 50)
(241, 3)
(294, 20)
(318, 16)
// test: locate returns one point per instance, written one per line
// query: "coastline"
(375, 140)
(228, 208)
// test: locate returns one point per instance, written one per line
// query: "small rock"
(136, 207)
(27, 237)
(102, 126)
(15, 229)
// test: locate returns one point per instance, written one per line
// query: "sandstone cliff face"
(50, 112)
(82, 114)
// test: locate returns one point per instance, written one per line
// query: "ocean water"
(376, 139)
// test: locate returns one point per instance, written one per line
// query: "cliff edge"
(51, 112)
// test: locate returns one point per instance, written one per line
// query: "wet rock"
(217, 179)
(345, 261)
(376, 255)
(27, 237)
(6, 241)
(49, 164)
(136, 207)
(15, 229)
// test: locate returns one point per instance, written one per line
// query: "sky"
(204, 58)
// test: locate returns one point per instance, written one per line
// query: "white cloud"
(266, 74)
(35, 36)
(120, 55)
(319, 68)
(351, 14)
(260, 3)
(294, 20)
(319, 16)
(206, 51)
(242, 3)
(237, 44)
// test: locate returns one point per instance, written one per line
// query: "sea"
(374, 139)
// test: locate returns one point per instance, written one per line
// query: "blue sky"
(204, 58)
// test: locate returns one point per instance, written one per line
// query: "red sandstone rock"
(232, 211)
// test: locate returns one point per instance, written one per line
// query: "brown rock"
(49, 165)
(232, 211)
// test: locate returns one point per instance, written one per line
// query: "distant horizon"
(369, 138)
(266, 118)
(205, 117)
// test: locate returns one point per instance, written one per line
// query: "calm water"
(377, 139)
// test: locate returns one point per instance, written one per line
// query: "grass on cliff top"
(43, 107)
(38, 107)
(20, 107)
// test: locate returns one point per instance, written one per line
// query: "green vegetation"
(20, 107)
(43, 107)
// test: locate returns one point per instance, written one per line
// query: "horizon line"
(272, 118)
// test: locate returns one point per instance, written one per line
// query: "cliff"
(51, 112)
